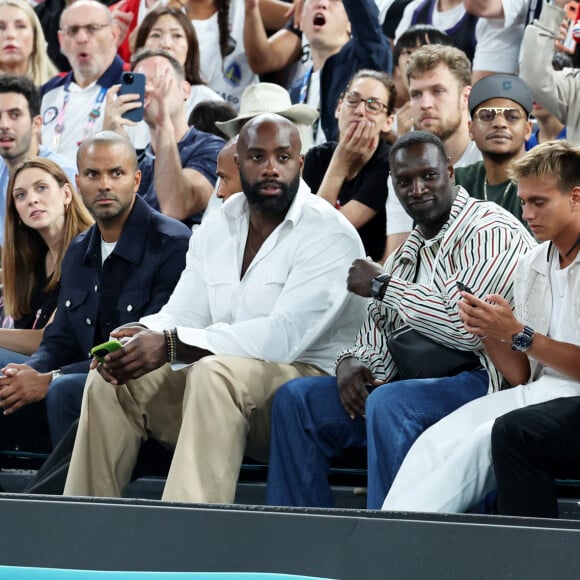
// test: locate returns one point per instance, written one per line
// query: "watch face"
(521, 341)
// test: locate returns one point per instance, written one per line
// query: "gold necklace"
(503, 195)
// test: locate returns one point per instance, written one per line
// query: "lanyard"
(305, 86)
(94, 114)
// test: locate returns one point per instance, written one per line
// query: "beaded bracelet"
(170, 345)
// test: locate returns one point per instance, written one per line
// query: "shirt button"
(67, 303)
(542, 320)
(88, 321)
(96, 288)
(129, 308)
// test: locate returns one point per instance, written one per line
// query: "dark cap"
(501, 87)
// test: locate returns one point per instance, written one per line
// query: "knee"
(297, 393)
(503, 432)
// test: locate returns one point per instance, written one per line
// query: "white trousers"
(449, 467)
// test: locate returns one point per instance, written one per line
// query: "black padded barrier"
(83, 533)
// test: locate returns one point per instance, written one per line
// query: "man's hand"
(405, 120)
(352, 378)
(144, 353)
(360, 276)
(121, 21)
(115, 106)
(156, 102)
(296, 11)
(22, 385)
(492, 318)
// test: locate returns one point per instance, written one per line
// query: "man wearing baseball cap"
(500, 107)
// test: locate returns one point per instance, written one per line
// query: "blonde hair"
(430, 56)
(24, 249)
(556, 162)
(40, 67)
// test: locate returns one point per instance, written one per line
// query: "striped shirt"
(479, 245)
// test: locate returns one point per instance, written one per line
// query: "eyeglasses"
(372, 105)
(90, 29)
(488, 114)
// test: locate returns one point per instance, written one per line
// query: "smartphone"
(102, 350)
(132, 82)
(464, 288)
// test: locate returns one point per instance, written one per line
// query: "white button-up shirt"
(292, 303)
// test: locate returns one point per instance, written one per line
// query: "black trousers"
(531, 448)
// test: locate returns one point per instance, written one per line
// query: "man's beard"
(270, 204)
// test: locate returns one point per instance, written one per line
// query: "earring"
(66, 207)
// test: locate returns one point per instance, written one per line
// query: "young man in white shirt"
(537, 347)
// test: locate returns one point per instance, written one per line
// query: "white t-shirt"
(229, 80)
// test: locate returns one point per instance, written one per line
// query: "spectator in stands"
(44, 214)
(449, 468)
(439, 84)
(205, 115)
(123, 267)
(548, 127)
(351, 174)
(72, 105)
(262, 301)
(555, 90)
(20, 124)
(492, 46)
(178, 166)
(171, 30)
(500, 107)
(408, 43)
(455, 240)
(343, 37)
(227, 170)
(219, 25)
(22, 43)
(270, 98)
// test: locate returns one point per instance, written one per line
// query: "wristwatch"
(523, 340)
(56, 373)
(379, 285)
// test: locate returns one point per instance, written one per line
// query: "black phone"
(133, 83)
(464, 288)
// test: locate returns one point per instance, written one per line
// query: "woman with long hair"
(171, 30)
(23, 48)
(43, 215)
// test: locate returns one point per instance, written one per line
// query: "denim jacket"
(95, 298)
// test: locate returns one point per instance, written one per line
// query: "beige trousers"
(212, 413)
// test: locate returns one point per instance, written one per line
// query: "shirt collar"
(110, 77)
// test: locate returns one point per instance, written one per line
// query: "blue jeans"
(63, 403)
(10, 356)
(310, 427)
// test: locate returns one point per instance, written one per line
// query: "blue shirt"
(95, 298)
(533, 140)
(5, 176)
(197, 150)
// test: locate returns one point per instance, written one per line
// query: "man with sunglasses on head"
(73, 105)
(500, 107)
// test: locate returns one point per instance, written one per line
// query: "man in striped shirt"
(456, 239)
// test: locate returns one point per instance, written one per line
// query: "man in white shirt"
(262, 300)
(439, 86)
(73, 104)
